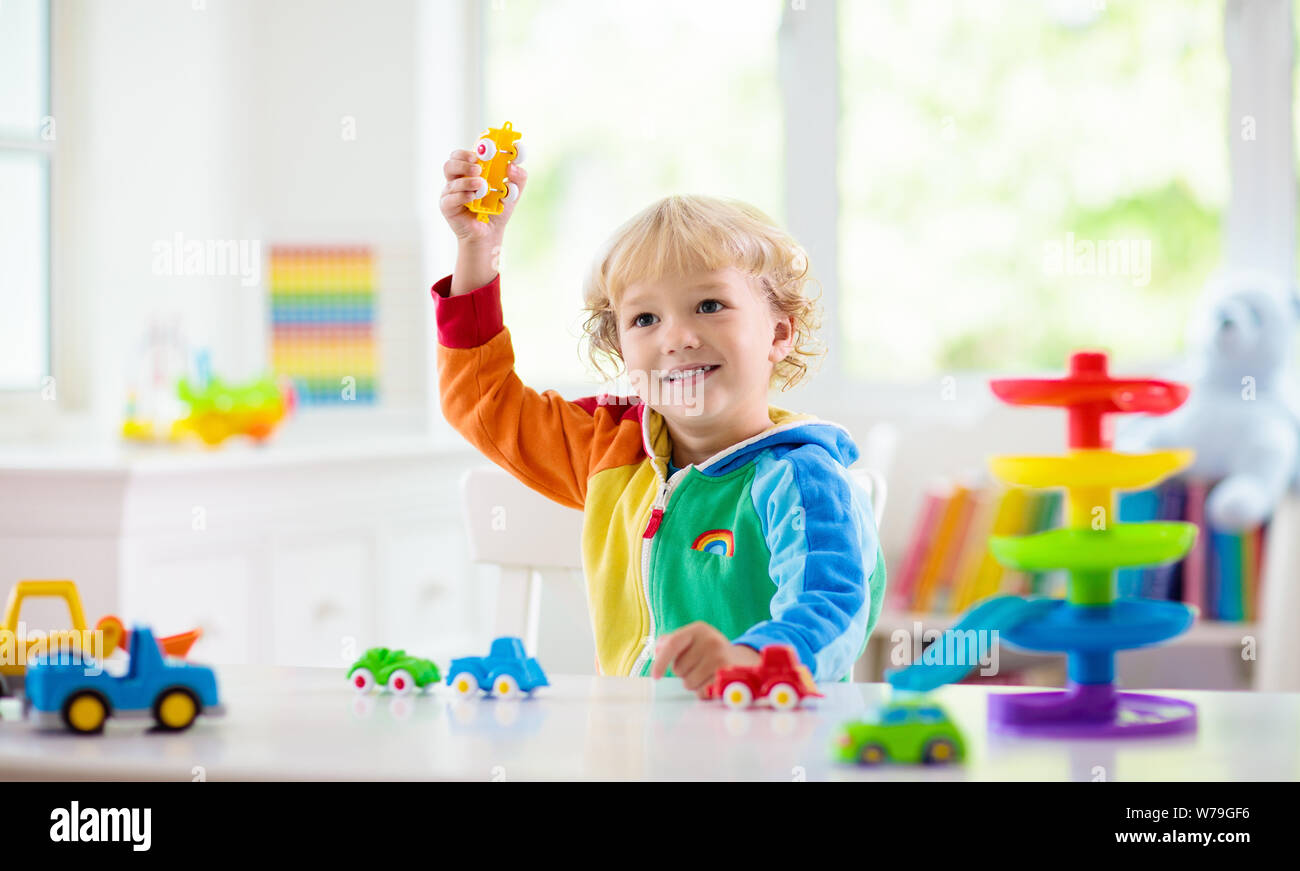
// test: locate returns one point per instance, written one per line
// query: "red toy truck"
(779, 677)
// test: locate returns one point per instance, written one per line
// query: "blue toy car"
(507, 671)
(81, 696)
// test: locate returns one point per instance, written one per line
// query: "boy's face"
(717, 319)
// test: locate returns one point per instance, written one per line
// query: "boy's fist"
(465, 183)
(695, 653)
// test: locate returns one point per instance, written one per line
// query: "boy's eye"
(636, 321)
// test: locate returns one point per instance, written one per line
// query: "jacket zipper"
(656, 519)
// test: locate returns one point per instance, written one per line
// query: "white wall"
(145, 108)
(227, 122)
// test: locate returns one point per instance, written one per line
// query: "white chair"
(528, 536)
(877, 491)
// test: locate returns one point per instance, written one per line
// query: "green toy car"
(380, 667)
(907, 731)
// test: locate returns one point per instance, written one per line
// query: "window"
(895, 717)
(1022, 179)
(620, 104)
(26, 143)
(1058, 180)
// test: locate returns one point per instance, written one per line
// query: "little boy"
(714, 523)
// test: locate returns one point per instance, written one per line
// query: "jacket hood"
(793, 429)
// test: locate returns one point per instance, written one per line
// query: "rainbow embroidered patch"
(719, 541)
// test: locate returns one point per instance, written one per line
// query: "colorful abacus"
(323, 322)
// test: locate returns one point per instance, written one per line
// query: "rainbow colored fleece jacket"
(769, 541)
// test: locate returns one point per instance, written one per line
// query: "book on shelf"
(948, 566)
(936, 571)
(1220, 575)
(900, 591)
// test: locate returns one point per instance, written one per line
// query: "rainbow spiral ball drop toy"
(1092, 622)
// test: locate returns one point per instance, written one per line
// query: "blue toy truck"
(507, 671)
(81, 696)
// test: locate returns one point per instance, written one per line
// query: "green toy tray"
(1122, 546)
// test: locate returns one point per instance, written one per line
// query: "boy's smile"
(700, 350)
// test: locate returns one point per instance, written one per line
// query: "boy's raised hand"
(695, 653)
(464, 184)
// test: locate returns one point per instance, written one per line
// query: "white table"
(307, 724)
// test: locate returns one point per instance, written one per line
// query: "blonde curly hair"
(683, 235)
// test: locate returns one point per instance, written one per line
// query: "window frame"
(35, 144)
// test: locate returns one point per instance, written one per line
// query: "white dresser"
(284, 555)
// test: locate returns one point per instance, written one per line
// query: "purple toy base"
(1090, 711)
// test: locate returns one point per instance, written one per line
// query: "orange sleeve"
(546, 441)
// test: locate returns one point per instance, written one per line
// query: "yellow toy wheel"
(872, 754)
(504, 686)
(939, 751)
(737, 695)
(175, 709)
(783, 697)
(465, 684)
(85, 713)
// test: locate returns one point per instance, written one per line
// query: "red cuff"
(470, 319)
